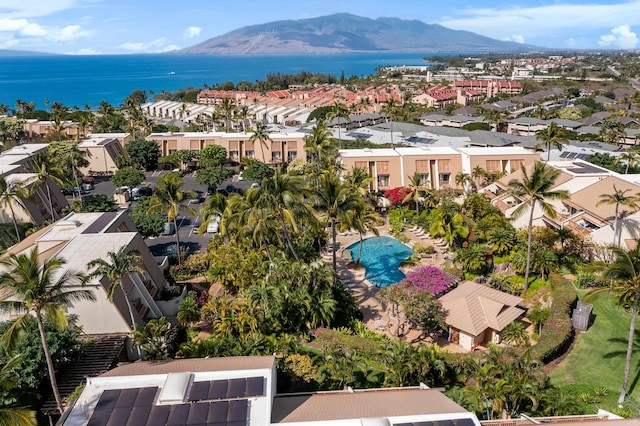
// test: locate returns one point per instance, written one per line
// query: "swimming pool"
(381, 257)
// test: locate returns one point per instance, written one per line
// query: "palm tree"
(535, 189)
(478, 174)
(515, 333)
(47, 172)
(624, 271)
(337, 202)
(618, 198)
(13, 192)
(338, 111)
(363, 220)
(415, 183)
(472, 258)
(117, 264)
(9, 379)
(629, 159)
(43, 291)
(282, 195)
(449, 222)
(390, 108)
(552, 136)
(261, 135)
(168, 199)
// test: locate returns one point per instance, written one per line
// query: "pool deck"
(376, 315)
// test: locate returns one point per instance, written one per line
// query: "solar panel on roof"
(563, 154)
(159, 415)
(237, 411)
(236, 388)
(582, 156)
(177, 414)
(572, 155)
(255, 386)
(359, 135)
(197, 414)
(100, 223)
(139, 415)
(218, 412)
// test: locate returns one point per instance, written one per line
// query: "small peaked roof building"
(474, 308)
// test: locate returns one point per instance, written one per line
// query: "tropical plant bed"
(597, 358)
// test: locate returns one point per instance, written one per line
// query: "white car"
(214, 225)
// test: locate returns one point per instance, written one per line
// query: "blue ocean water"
(381, 257)
(81, 80)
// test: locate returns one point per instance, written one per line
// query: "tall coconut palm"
(44, 290)
(337, 112)
(116, 265)
(168, 199)
(47, 172)
(629, 159)
(448, 221)
(363, 219)
(624, 271)
(552, 136)
(391, 109)
(283, 196)
(619, 198)
(261, 135)
(13, 192)
(336, 202)
(535, 190)
(415, 185)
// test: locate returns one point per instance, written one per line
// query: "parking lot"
(164, 244)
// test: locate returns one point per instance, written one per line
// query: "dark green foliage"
(212, 156)
(213, 176)
(319, 113)
(98, 203)
(147, 224)
(558, 332)
(8, 234)
(257, 171)
(138, 96)
(64, 346)
(589, 103)
(144, 153)
(609, 162)
(476, 126)
(127, 176)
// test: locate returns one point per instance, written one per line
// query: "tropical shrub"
(397, 195)
(558, 332)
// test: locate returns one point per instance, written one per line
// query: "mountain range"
(347, 33)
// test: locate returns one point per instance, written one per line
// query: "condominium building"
(79, 238)
(437, 166)
(280, 148)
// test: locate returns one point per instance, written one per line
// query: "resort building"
(79, 238)
(282, 148)
(41, 129)
(437, 165)
(582, 212)
(476, 314)
(15, 164)
(102, 154)
(241, 391)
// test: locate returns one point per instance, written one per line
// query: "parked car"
(214, 225)
(74, 190)
(88, 179)
(143, 191)
(168, 229)
(196, 198)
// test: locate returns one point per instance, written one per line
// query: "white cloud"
(192, 32)
(85, 51)
(8, 44)
(70, 33)
(22, 27)
(155, 46)
(34, 8)
(546, 21)
(620, 37)
(517, 38)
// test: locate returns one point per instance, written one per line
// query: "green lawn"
(590, 364)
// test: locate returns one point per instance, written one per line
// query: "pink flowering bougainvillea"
(428, 278)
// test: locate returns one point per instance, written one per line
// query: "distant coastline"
(80, 80)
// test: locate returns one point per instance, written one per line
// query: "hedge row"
(557, 333)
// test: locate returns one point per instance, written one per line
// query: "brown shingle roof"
(361, 404)
(473, 308)
(192, 365)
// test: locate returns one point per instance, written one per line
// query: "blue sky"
(145, 26)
